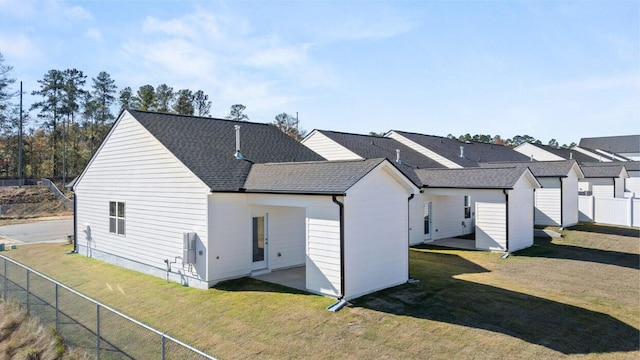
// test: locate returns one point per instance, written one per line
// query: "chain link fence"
(85, 323)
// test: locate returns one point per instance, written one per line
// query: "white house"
(627, 146)
(201, 200)
(556, 203)
(603, 180)
(498, 205)
(447, 211)
(541, 152)
(455, 154)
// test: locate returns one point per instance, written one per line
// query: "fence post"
(4, 281)
(98, 331)
(163, 343)
(28, 291)
(57, 316)
(5, 293)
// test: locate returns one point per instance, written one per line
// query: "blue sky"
(549, 69)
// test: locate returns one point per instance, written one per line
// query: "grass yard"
(576, 296)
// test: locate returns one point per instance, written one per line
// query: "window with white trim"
(116, 217)
(467, 207)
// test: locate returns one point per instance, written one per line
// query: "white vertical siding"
(448, 216)
(376, 237)
(323, 250)
(602, 188)
(635, 209)
(286, 237)
(547, 204)
(613, 211)
(491, 226)
(570, 200)
(632, 184)
(416, 218)
(520, 219)
(230, 229)
(585, 208)
(163, 199)
(327, 148)
(424, 151)
(618, 191)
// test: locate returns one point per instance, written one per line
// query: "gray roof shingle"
(598, 169)
(326, 177)
(616, 144)
(373, 147)
(474, 152)
(540, 168)
(471, 178)
(568, 154)
(207, 146)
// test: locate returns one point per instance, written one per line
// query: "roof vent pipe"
(237, 127)
(531, 158)
(570, 156)
(462, 152)
(238, 155)
(398, 156)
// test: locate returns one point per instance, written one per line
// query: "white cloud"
(94, 34)
(77, 13)
(19, 47)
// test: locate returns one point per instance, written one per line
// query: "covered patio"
(455, 243)
(292, 277)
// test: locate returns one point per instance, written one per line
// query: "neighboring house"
(455, 154)
(556, 203)
(502, 204)
(202, 200)
(627, 146)
(541, 152)
(632, 184)
(333, 145)
(436, 213)
(603, 180)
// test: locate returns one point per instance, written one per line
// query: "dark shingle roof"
(471, 178)
(474, 152)
(540, 168)
(594, 170)
(373, 147)
(207, 146)
(616, 144)
(567, 154)
(326, 177)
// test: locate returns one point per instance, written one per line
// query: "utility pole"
(20, 144)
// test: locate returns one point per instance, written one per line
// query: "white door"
(427, 220)
(259, 243)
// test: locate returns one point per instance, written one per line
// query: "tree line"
(73, 117)
(512, 142)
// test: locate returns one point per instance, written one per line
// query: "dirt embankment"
(29, 202)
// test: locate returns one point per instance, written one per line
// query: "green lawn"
(578, 296)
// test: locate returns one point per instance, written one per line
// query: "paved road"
(41, 231)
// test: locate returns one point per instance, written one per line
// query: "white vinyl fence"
(614, 211)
